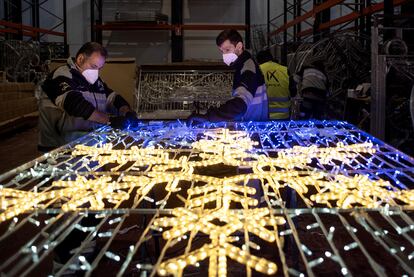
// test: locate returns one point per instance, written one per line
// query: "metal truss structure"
(26, 61)
(18, 59)
(272, 198)
(345, 62)
(15, 11)
(166, 94)
(25, 49)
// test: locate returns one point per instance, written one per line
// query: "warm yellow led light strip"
(253, 221)
(289, 168)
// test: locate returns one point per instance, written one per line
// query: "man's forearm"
(230, 110)
(99, 117)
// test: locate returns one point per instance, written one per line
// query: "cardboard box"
(17, 87)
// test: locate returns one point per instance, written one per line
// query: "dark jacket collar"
(245, 55)
(70, 62)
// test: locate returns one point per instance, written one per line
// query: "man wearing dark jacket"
(313, 86)
(74, 100)
(249, 101)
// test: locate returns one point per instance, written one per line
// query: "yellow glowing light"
(289, 169)
(187, 220)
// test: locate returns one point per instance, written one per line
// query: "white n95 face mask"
(91, 75)
(229, 58)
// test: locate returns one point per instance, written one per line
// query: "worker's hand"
(195, 119)
(121, 122)
(132, 119)
(99, 117)
(118, 122)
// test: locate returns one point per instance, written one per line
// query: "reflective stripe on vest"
(315, 73)
(279, 116)
(278, 110)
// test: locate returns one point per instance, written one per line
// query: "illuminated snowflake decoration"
(289, 168)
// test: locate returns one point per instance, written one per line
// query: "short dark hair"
(264, 56)
(91, 47)
(230, 34)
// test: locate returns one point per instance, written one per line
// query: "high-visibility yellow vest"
(277, 84)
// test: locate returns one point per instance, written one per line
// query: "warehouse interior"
(167, 189)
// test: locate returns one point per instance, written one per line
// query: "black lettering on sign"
(271, 75)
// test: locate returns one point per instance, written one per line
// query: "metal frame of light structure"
(155, 172)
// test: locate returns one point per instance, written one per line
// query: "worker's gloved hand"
(118, 122)
(194, 119)
(131, 118)
(121, 122)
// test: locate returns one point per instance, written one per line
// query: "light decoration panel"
(111, 169)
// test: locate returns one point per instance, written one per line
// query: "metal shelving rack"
(175, 26)
(381, 63)
(360, 15)
(14, 29)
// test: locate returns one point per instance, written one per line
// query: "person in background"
(277, 84)
(313, 87)
(249, 98)
(74, 100)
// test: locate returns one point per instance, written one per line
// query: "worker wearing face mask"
(249, 98)
(74, 100)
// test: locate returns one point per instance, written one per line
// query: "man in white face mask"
(249, 101)
(74, 100)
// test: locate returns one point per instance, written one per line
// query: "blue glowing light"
(273, 136)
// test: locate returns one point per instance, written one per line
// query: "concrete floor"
(18, 148)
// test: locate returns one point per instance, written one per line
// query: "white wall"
(202, 44)
(78, 24)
